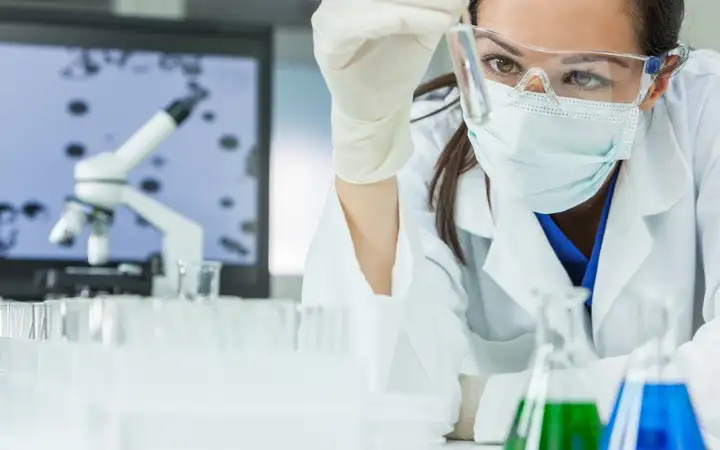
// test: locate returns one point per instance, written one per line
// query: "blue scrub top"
(582, 271)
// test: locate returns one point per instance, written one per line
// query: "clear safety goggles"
(480, 54)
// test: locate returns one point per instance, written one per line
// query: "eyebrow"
(571, 59)
(505, 46)
(592, 57)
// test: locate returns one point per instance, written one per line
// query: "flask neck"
(563, 330)
(652, 359)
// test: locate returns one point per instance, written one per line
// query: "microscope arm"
(182, 237)
(153, 133)
(144, 141)
(118, 164)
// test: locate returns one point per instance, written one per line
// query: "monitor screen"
(67, 104)
(67, 99)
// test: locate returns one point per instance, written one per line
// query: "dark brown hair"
(657, 24)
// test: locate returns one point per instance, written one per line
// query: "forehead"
(563, 24)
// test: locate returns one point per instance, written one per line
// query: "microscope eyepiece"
(180, 109)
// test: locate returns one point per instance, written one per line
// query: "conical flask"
(653, 409)
(559, 411)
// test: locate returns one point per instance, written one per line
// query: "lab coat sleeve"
(701, 354)
(700, 357)
(418, 337)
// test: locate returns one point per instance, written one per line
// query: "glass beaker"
(653, 408)
(559, 411)
(198, 280)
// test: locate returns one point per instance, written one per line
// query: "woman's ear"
(662, 82)
(658, 88)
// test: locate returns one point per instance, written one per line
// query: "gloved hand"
(373, 54)
(472, 388)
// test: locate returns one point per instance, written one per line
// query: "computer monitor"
(75, 85)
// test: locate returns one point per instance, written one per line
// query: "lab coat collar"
(657, 170)
(520, 258)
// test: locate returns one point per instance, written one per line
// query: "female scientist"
(446, 230)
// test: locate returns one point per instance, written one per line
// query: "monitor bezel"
(104, 30)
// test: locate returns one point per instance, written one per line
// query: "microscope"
(101, 187)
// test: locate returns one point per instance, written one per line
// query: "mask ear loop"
(547, 86)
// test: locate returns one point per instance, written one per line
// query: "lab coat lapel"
(520, 259)
(626, 245)
(649, 184)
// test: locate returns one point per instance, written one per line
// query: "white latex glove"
(472, 389)
(373, 54)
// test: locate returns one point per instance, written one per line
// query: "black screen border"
(103, 30)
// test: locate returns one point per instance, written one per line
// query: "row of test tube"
(196, 371)
(201, 371)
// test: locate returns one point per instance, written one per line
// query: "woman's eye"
(502, 65)
(586, 80)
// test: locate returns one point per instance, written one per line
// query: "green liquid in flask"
(564, 426)
(557, 411)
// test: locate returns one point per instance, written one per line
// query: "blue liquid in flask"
(654, 416)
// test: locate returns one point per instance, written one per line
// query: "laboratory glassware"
(474, 97)
(282, 371)
(558, 410)
(198, 280)
(258, 325)
(653, 408)
(117, 374)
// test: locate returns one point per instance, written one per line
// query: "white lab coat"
(662, 240)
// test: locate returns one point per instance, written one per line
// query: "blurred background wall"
(701, 24)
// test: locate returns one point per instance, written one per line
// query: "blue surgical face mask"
(551, 154)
